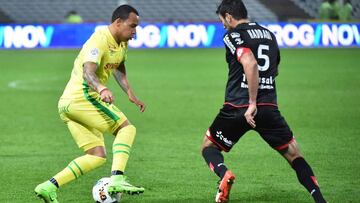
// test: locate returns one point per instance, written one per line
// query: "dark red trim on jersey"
(213, 141)
(285, 145)
(246, 105)
(240, 51)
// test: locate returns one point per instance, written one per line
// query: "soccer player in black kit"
(253, 57)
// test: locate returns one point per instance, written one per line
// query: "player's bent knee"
(210, 151)
(132, 127)
(292, 152)
(127, 128)
(206, 144)
(98, 151)
(125, 124)
(96, 161)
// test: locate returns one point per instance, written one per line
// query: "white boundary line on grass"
(35, 84)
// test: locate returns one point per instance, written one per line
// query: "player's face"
(225, 22)
(127, 28)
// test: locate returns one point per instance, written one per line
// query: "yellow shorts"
(88, 118)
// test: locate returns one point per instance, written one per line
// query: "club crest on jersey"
(235, 35)
(237, 38)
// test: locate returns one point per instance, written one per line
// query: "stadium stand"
(199, 10)
(54, 11)
(291, 13)
(312, 7)
(4, 18)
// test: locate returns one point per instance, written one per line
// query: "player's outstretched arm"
(247, 59)
(121, 79)
(93, 81)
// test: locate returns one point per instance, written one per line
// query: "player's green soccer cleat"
(47, 192)
(119, 184)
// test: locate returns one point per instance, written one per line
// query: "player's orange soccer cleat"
(222, 195)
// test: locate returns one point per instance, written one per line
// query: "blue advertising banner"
(179, 35)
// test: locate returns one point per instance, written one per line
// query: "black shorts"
(230, 125)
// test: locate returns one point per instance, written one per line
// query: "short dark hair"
(123, 12)
(235, 8)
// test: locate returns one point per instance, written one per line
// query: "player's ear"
(228, 18)
(119, 21)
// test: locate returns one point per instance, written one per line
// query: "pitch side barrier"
(179, 35)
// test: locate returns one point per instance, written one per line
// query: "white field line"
(36, 84)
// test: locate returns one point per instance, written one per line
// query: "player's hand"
(107, 96)
(137, 102)
(250, 114)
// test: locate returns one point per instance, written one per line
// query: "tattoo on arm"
(120, 77)
(91, 77)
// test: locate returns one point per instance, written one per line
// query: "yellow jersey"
(102, 49)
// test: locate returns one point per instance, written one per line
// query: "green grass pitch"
(318, 93)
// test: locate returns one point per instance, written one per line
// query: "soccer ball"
(100, 192)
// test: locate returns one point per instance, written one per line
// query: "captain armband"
(241, 51)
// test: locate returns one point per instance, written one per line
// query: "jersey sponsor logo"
(261, 86)
(264, 82)
(111, 47)
(109, 66)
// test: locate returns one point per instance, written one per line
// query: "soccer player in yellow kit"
(87, 108)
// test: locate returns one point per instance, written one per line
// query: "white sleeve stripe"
(229, 44)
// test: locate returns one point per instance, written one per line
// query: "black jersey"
(266, 51)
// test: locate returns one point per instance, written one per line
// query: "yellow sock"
(78, 167)
(121, 147)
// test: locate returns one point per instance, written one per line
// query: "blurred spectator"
(329, 10)
(73, 17)
(345, 13)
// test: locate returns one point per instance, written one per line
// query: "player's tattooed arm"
(89, 74)
(121, 79)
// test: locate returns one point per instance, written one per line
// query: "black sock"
(117, 172)
(307, 178)
(53, 181)
(215, 160)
